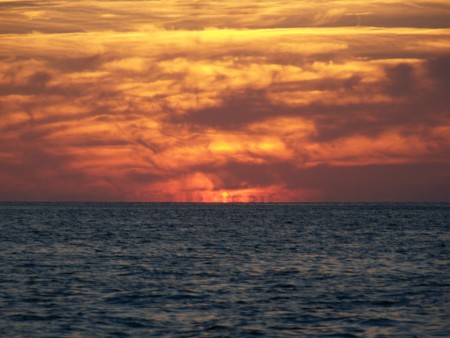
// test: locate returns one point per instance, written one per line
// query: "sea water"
(224, 270)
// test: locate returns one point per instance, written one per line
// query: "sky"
(225, 101)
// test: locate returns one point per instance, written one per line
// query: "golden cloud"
(174, 102)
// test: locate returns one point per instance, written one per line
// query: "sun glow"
(258, 102)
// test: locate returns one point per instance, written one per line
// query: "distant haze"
(224, 101)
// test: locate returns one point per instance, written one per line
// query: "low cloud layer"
(224, 101)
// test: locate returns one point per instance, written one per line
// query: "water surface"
(224, 270)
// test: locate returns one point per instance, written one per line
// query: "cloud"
(252, 104)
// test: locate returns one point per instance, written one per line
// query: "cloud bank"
(230, 101)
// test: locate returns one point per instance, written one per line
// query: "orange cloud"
(253, 104)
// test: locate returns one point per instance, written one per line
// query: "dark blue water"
(202, 270)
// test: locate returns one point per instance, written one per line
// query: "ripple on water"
(192, 270)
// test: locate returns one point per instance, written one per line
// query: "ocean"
(224, 270)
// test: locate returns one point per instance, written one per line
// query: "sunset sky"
(222, 101)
